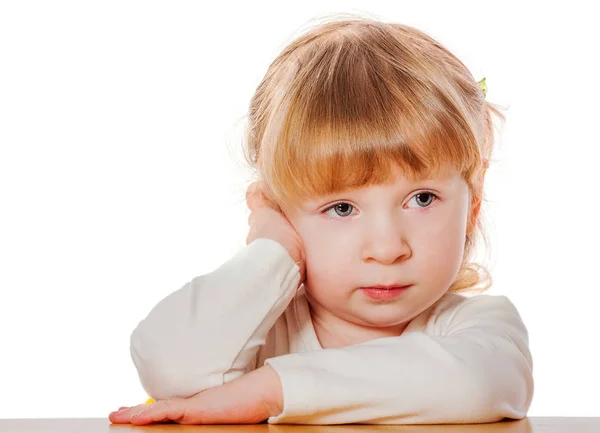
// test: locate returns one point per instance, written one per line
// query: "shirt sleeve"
(209, 331)
(472, 366)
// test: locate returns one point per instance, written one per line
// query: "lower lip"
(385, 293)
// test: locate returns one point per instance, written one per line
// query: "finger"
(141, 417)
(268, 201)
(163, 410)
(118, 416)
(256, 197)
(251, 195)
(124, 414)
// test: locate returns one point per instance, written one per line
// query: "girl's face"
(402, 233)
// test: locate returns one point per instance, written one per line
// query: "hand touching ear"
(266, 220)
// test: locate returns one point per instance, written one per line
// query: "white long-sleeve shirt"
(463, 360)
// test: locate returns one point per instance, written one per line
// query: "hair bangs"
(350, 124)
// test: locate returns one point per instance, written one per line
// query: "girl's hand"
(249, 399)
(266, 220)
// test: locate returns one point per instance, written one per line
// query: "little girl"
(370, 141)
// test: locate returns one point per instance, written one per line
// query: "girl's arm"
(471, 364)
(209, 331)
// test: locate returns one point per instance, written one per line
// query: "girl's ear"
(473, 214)
(476, 200)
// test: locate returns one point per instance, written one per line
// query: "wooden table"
(97, 425)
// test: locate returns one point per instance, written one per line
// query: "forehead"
(444, 175)
(447, 177)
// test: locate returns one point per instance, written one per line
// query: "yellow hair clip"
(482, 86)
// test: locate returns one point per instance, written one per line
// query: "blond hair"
(351, 97)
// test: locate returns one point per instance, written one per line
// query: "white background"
(121, 177)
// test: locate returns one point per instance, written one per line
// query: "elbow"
(505, 392)
(513, 384)
(165, 378)
(510, 400)
(158, 382)
(517, 394)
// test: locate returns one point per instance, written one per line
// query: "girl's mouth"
(379, 292)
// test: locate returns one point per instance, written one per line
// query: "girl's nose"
(386, 245)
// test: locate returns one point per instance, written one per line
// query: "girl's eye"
(424, 199)
(341, 209)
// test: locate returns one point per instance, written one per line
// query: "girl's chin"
(392, 323)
